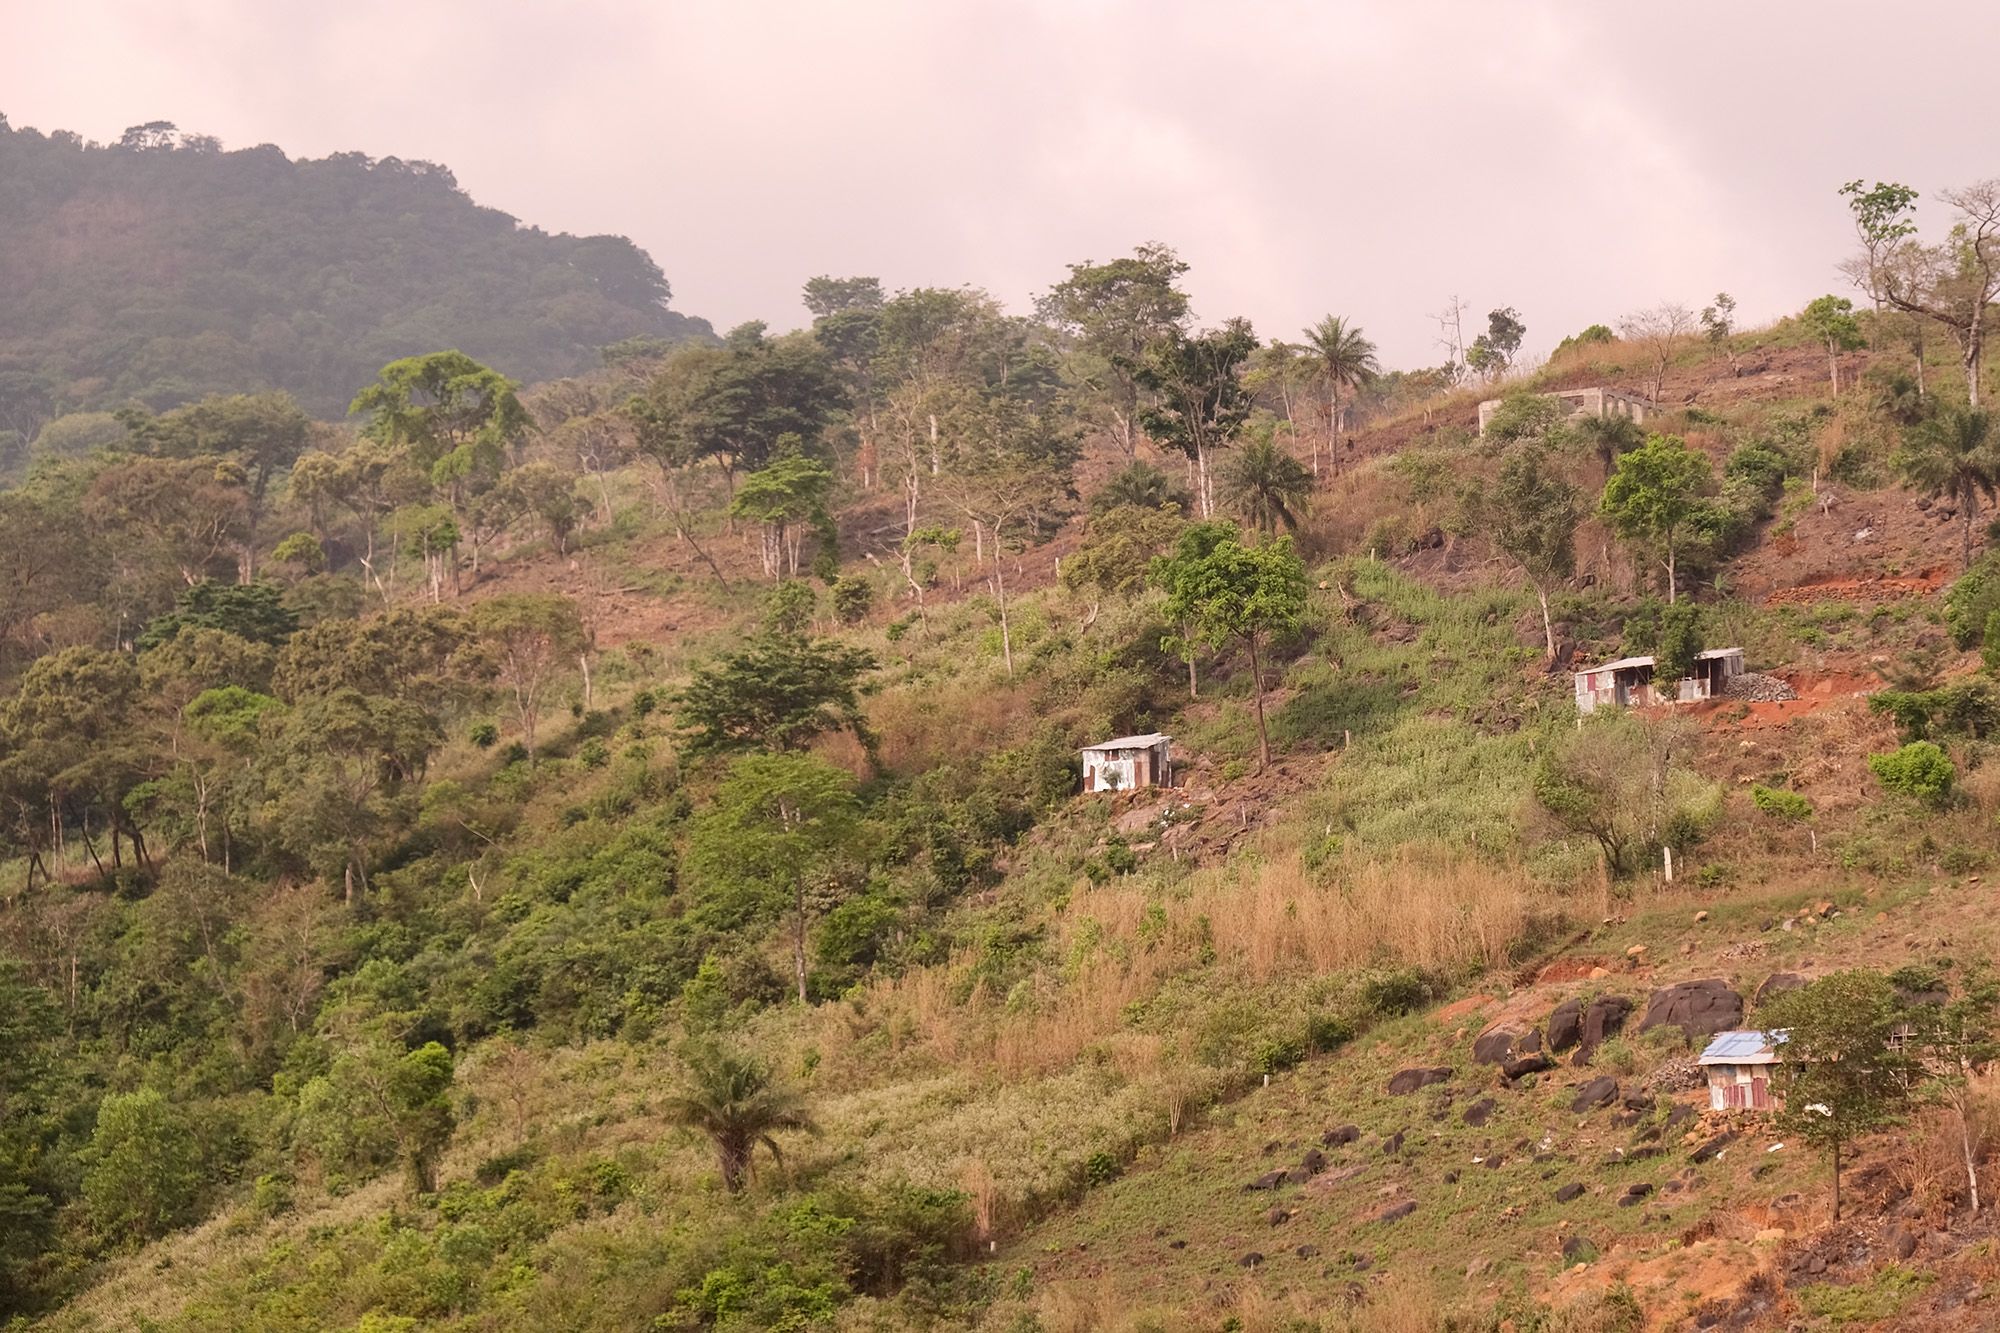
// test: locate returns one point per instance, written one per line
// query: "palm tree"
(1267, 485)
(1610, 435)
(1143, 485)
(733, 1098)
(1952, 455)
(1347, 361)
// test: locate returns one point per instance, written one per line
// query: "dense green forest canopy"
(161, 268)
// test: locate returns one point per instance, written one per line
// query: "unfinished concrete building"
(1583, 403)
(1629, 683)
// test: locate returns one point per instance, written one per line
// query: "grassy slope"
(1074, 1022)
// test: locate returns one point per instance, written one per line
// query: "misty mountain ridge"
(161, 268)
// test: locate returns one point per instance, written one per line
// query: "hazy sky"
(1576, 160)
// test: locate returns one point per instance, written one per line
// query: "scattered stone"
(1778, 983)
(1711, 1150)
(1451, 1177)
(1577, 1250)
(1676, 1073)
(1566, 1025)
(1900, 1242)
(1333, 1138)
(1278, 1216)
(1697, 1008)
(1605, 1018)
(1503, 1040)
(1313, 1162)
(1495, 1162)
(1526, 1065)
(1407, 1081)
(1700, 917)
(1573, 1190)
(1396, 1211)
(1636, 954)
(1270, 1180)
(1768, 923)
(1478, 1113)
(1177, 1245)
(1307, 1251)
(1393, 1144)
(1250, 1260)
(1598, 973)
(1634, 1194)
(1363, 1262)
(1598, 1092)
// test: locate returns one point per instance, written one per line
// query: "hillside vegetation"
(163, 267)
(606, 853)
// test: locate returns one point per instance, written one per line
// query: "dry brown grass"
(920, 730)
(1262, 920)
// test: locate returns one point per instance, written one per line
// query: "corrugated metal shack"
(1628, 682)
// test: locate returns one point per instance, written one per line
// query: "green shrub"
(1102, 1167)
(1393, 994)
(1278, 1054)
(1972, 600)
(1328, 1032)
(484, 734)
(593, 754)
(1780, 804)
(853, 597)
(1919, 770)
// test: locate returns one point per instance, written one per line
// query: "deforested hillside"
(163, 267)
(640, 850)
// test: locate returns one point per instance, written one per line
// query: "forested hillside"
(162, 267)
(608, 853)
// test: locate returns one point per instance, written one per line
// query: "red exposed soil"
(1861, 588)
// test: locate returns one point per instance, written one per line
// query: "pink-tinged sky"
(1576, 160)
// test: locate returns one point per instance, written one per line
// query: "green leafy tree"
(143, 1171)
(778, 826)
(1626, 784)
(736, 1101)
(1224, 592)
(777, 694)
(1953, 283)
(1266, 485)
(1680, 645)
(1119, 547)
(1346, 361)
(1843, 1073)
(1718, 321)
(787, 498)
(1113, 312)
(1493, 351)
(1201, 402)
(1830, 320)
(1535, 512)
(455, 417)
(1952, 455)
(255, 612)
(1656, 495)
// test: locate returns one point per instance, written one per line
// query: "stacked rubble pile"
(1758, 688)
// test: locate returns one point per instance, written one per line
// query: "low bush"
(1780, 804)
(1919, 770)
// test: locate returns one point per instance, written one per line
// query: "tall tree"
(1113, 312)
(1202, 402)
(1224, 592)
(1493, 352)
(533, 638)
(1955, 282)
(1535, 511)
(1610, 436)
(1346, 361)
(771, 841)
(1656, 496)
(1843, 1073)
(1953, 454)
(456, 418)
(777, 693)
(787, 497)
(1830, 320)
(1658, 330)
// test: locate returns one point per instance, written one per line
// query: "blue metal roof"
(1741, 1046)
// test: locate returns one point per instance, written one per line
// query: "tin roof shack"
(1628, 682)
(1738, 1066)
(1583, 403)
(1127, 763)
